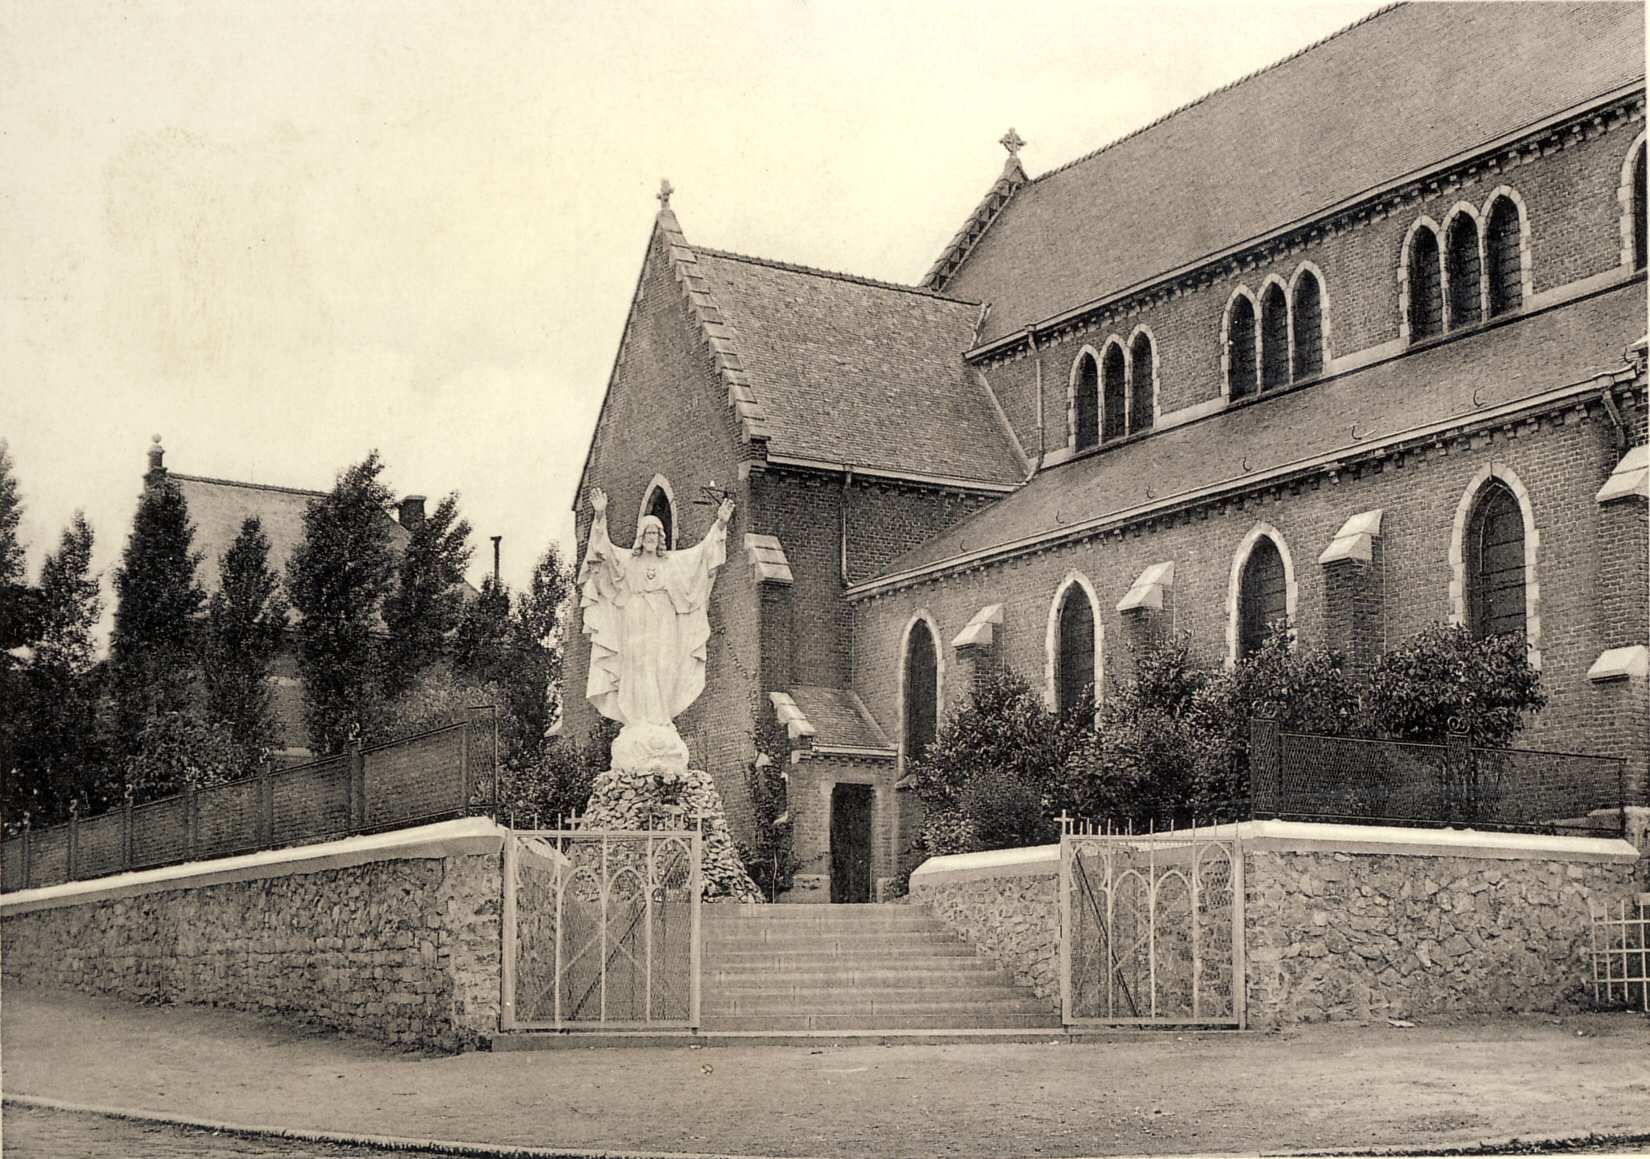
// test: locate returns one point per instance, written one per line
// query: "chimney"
(496, 540)
(157, 456)
(412, 511)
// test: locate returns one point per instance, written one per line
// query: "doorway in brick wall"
(851, 843)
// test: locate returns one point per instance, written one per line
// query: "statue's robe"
(646, 619)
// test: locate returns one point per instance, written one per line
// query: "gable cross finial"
(1013, 142)
(665, 191)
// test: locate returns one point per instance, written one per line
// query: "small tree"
(337, 579)
(246, 617)
(179, 750)
(423, 611)
(1152, 750)
(56, 755)
(769, 859)
(1442, 678)
(153, 649)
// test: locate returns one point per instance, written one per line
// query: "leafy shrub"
(769, 859)
(1443, 675)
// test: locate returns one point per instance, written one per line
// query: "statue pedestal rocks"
(651, 787)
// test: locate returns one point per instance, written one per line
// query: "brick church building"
(1357, 339)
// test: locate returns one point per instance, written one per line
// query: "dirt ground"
(1318, 1088)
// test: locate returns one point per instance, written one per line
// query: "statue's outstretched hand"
(724, 512)
(598, 501)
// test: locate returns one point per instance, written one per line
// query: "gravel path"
(1324, 1087)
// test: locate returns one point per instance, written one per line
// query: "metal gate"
(1151, 927)
(601, 929)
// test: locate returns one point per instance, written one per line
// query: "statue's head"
(650, 536)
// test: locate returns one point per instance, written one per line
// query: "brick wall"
(667, 413)
(1562, 460)
(1572, 217)
(811, 783)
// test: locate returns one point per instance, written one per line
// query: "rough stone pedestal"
(652, 787)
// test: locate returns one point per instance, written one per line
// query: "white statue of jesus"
(644, 610)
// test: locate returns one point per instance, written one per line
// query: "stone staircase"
(794, 969)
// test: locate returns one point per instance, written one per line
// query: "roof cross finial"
(1013, 142)
(664, 192)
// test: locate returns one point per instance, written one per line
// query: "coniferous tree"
(337, 579)
(423, 611)
(18, 622)
(153, 650)
(56, 756)
(245, 619)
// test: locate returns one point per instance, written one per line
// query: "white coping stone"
(1309, 836)
(1631, 476)
(981, 629)
(465, 835)
(1148, 588)
(767, 558)
(1620, 664)
(1355, 539)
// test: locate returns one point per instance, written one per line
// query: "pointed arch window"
(658, 506)
(1465, 272)
(1240, 348)
(1641, 250)
(1113, 396)
(1495, 563)
(1308, 310)
(1263, 595)
(1426, 298)
(921, 691)
(1142, 360)
(1086, 403)
(1274, 338)
(1073, 650)
(1502, 236)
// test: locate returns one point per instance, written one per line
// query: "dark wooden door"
(851, 843)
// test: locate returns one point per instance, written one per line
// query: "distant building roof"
(1397, 93)
(1498, 365)
(849, 370)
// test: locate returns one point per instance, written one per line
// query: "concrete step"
(892, 1005)
(752, 982)
(930, 954)
(831, 942)
(964, 1019)
(903, 918)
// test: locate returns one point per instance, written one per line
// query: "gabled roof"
(218, 507)
(839, 718)
(1403, 90)
(852, 371)
(1451, 380)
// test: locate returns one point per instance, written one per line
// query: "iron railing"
(445, 772)
(1304, 776)
(1621, 953)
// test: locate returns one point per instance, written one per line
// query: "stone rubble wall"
(1362, 936)
(1345, 936)
(650, 799)
(405, 951)
(1012, 920)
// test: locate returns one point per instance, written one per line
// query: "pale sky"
(281, 234)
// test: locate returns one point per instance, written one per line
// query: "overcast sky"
(281, 234)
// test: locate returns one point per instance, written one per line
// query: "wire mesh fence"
(1302, 776)
(446, 772)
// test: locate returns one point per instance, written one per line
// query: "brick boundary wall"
(394, 937)
(1343, 922)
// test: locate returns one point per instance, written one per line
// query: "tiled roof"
(839, 718)
(1397, 93)
(849, 370)
(218, 507)
(1450, 380)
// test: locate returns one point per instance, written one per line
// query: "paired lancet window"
(1477, 270)
(1279, 342)
(1113, 394)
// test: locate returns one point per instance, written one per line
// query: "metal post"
(357, 785)
(464, 770)
(191, 819)
(647, 933)
(697, 884)
(126, 831)
(266, 808)
(1151, 914)
(1065, 922)
(561, 886)
(74, 839)
(507, 946)
(1240, 981)
(603, 962)
(28, 851)
(1197, 948)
